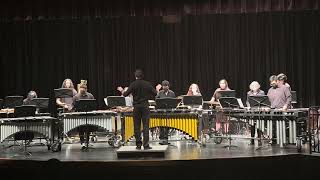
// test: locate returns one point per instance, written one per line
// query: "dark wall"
(39, 54)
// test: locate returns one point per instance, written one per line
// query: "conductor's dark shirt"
(141, 91)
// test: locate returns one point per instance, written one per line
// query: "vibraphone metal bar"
(265, 119)
(39, 124)
(185, 122)
(104, 119)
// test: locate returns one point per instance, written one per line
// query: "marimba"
(187, 122)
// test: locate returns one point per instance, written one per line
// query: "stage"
(183, 159)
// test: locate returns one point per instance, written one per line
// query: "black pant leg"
(145, 121)
(253, 129)
(137, 125)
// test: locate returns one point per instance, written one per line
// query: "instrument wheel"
(56, 147)
(110, 141)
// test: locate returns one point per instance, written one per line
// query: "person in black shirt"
(83, 94)
(165, 93)
(141, 91)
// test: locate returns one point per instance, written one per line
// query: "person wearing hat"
(279, 94)
(164, 93)
(83, 94)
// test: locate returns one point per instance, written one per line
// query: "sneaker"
(138, 147)
(83, 147)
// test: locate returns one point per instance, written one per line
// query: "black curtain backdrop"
(39, 54)
(110, 8)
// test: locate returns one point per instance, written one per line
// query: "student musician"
(254, 91)
(83, 94)
(67, 103)
(194, 90)
(31, 95)
(220, 116)
(279, 94)
(164, 93)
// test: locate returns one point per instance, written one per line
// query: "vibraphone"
(274, 119)
(103, 119)
(38, 124)
(187, 122)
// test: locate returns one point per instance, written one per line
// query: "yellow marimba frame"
(188, 123)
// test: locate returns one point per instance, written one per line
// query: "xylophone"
(186, 122)
(38, 124)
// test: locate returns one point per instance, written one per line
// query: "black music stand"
(226, 93)
(115, 101)
(13, 101)
(40, 103)
(259, 102)
(192, 100)
(63, 92)
(167, 105)
(24, 112)
(228, 103)
(86, 105)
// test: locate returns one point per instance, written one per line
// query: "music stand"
(40, 103)
(86, 105)
(13, 101)
(229, 103)
(259, 101)
(25, 111)
(192, 100)
(167, 104)
(115, 101)
(225, 93)
(63, 92)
